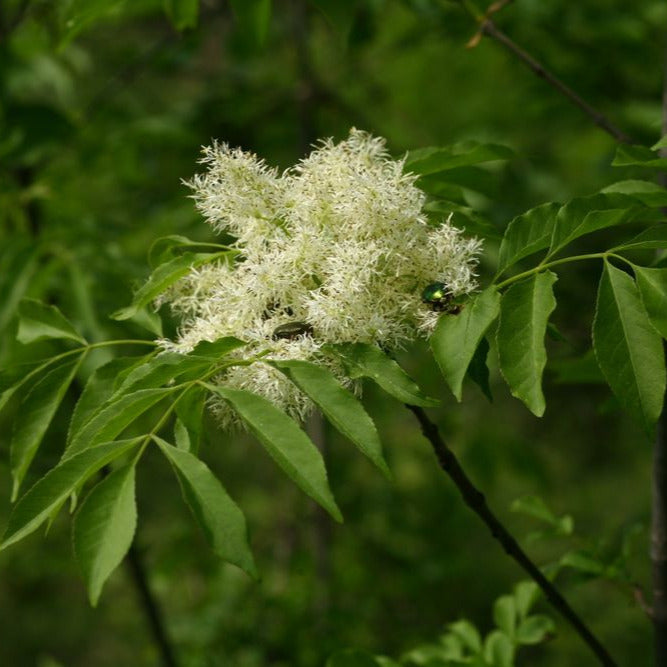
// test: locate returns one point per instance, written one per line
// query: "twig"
(476, 501)
(659, 491)
(659, 543)
(150, 607)
(489, 28)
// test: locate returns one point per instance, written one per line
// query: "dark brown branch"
(477, 503)
(489, 28)
(150, 607)
(659, 542)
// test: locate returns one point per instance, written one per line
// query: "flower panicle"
(339, 243)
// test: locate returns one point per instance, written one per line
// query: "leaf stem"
(476, 501)
(556, 262)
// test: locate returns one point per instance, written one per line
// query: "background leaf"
(38, 321)
(182, 13)
(35, 414)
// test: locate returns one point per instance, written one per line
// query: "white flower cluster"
(338, 247)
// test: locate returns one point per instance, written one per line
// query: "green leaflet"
(638, 156)
(628, 348)
(14, 377)
(588, 214)
(647, 192)
(159, 370)
(524, 313)
(365, 360)
(182, 13)
(37, 321)
(163, 277)
(457, 337)
(653, 238)
(219, 517)
(190, 413)
(339, 406)
(33, 418)
(526, 234)
(287, 444)
(112, 420)
(504, 614)
(97, 391)
(498, 649)
(104, 528)
(652, 285)
(433, 160)
(478, 371)
(35, 507)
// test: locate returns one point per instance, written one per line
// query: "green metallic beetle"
(439, 298)
(292, 330)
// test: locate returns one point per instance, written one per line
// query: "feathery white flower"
(339, 243)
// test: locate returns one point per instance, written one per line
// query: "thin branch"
(489, 28)
(659, 489)
(476, 501)
(150, 607)
(659, 543)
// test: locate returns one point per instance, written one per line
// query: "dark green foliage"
(102, 110)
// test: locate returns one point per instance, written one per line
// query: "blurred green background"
(103, 109)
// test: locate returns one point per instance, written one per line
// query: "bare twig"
(476, 501)
(489, 28)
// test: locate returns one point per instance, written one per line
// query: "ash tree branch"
(477, 503)
(489, 28)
